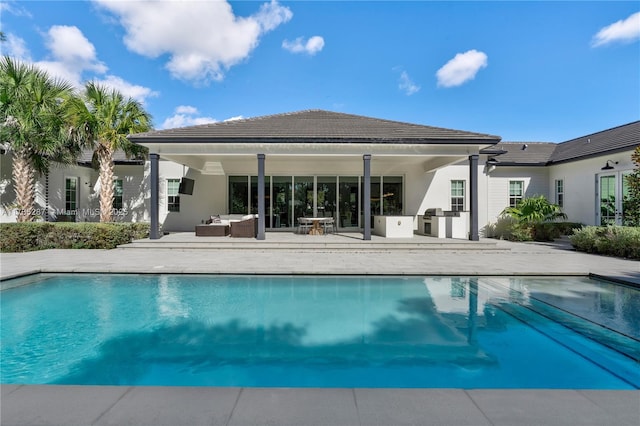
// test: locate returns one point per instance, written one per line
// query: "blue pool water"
(444, 332)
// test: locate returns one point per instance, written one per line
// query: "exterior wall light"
(608, 166)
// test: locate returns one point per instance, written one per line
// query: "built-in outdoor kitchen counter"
(444, 224)
(393, 226)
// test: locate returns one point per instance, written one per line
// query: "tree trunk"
(24, 175)
(105, 159)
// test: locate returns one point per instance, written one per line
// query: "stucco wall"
(422, 189)
(209, 198)
(52, 187)
(535, 183)
(580, 184)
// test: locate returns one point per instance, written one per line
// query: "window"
(560, 192)
(238, 194)
(457, 195)
(173, 197)
(516, 192)
(392, 195)
(117, 194)
(71, 195)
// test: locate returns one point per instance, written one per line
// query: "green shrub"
(620, 241)
(549, 231)
(536, 209)
(18, 237)
(509, 229)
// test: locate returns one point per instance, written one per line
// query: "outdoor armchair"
(247, 227)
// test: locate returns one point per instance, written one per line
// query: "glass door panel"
(392, 195)
(282, 202)
(626, 202)
(348, 201)
(302, 197)
(607, 200)
(326, 196)
(238, 195)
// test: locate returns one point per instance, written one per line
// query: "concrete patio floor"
(288, 254)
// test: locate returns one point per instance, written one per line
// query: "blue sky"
(527, 71)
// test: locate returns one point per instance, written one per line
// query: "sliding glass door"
(348, 188)
(302, 197)
(282, 201)
(289, 197)
(326, 196)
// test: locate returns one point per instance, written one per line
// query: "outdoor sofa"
(244, 226)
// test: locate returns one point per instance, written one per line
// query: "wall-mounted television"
(186, 186)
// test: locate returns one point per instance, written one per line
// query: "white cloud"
(236, 118)
(72, 55)
(216, 39)
(137, 92)
(407, 85)
(272, 14)
(625, 30)
(462, 68)
(16, 48)
(186, 109)
(185, 115)
(13, 8)
(312, 46)
(69, 46)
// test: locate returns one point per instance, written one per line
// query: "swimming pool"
(433, 332)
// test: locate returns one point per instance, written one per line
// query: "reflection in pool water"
(463, 332)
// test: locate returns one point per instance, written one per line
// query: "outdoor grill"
(443, 223)
(432, 212)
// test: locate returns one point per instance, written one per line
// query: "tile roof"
(524, 153)
(314, 126)
(618, 138)
(119, 157)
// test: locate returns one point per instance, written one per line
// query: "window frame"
(69, 209)
(457, 202)
(173, 199)
(515, 198)
(559, 190)
(118, 194)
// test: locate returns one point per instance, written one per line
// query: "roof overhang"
(299, 148)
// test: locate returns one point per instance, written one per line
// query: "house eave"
(592, 155)
(146, 140)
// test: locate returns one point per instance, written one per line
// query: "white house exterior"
(314, 164)
(71, 192)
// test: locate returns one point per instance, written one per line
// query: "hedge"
(507, 228)
(620, 241)
(30, 236)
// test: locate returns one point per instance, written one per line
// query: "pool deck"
(332, 254)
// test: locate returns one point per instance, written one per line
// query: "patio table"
(316, 229)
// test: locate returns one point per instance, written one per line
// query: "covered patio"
(313, 163)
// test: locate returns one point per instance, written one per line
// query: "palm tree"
(102, 119)
(32, 126)
(535, 209)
